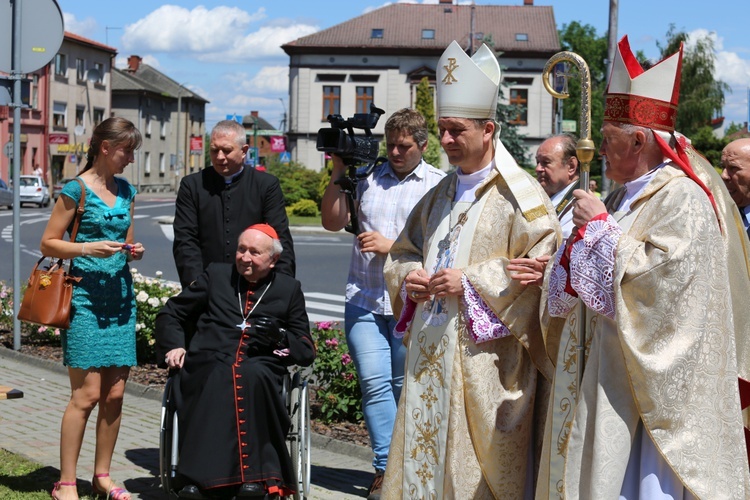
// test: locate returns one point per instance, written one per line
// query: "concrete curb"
(155, 393)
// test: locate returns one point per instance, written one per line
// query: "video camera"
(341, 141)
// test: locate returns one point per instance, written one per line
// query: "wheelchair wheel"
(168, 433)
(300, 436)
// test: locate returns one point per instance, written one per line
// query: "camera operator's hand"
(339, 168)
(373, 241)
(334, 211)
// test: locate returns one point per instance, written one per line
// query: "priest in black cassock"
(214, 205)
(250, 325)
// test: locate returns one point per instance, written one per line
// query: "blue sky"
(228, 50)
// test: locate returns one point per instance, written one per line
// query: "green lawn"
(295, 220)
(23, 479)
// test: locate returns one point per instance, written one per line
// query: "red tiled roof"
(402, 26)
(88, 41)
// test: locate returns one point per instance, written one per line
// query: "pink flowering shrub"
(334, 375)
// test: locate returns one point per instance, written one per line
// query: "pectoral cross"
(243, 325)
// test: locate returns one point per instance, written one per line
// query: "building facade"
(67, 99)
(34, 131)
(171, 119)
(79, 99)
(380, 57)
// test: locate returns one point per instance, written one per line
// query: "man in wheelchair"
(251, 325)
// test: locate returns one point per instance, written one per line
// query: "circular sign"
(41, 34)
(79, 130)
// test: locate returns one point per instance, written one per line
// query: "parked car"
(57, 187)
(34, 190)
(6, 195)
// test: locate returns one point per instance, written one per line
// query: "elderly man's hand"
(586, 207)
(268, 331)
(175, 358)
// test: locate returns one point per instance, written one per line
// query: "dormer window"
(377, 33)
(428, 34)
(522, 37)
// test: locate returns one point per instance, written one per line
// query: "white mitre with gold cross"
(467, 87)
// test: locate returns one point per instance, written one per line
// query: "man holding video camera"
(385, 199)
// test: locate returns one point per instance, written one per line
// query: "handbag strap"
(79, 210)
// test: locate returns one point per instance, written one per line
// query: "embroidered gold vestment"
(470, 417)
(668, 359)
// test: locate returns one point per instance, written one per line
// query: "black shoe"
(377, 486)
(191, 491)
(251, 490)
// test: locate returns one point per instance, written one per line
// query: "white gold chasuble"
(430, 364)
(470, 416)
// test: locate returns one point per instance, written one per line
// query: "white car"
(6, 195)
(34, 190)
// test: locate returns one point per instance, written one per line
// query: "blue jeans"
(379, 358)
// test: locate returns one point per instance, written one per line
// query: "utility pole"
(177, 136)
(611, 46)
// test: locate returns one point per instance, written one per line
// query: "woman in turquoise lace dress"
(99, 346)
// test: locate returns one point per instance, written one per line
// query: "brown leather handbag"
(46, 300)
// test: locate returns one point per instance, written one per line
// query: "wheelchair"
(297, 398)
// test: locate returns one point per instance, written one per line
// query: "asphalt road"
(322, 257)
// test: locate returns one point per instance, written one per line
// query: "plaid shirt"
(384, 205)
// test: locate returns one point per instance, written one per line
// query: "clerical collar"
(228, 179)
(745, 211)
(467, 183)
(558, 196)
(635, 187)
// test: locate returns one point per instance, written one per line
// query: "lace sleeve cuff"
(482, 323)
(592, 262)
(561, 297)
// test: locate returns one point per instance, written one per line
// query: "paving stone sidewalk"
(30, 426)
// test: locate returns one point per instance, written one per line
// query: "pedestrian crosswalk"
(324, 307)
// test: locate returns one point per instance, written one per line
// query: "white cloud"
(263, 43)
(85, 27)
(731, 69)
(268, 79)
(171, 28)
(221, 34)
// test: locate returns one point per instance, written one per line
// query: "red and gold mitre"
(647, 98)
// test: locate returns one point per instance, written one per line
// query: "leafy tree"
(706, 142)
(511, 138)
(701, 94)
(297, 182)
(425, 105)
(206, 151)
(732, 128)
(584, 41)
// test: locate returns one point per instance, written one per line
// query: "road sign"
(41, 34)
(569, 126)
(285, 158)
(235, 117)
(8, 150)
